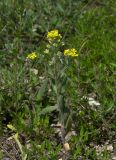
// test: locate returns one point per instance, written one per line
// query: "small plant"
(57, 64)
(16, 138)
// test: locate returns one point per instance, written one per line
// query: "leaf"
(113, 64)
(60, 8)
(42, 90)
(48, 109)
(10, 126)
(23, 154)
(68, 123)
(81, 133)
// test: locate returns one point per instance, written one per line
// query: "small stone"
(66, 147)
(109, 147)
(6, 158)
(35, 71)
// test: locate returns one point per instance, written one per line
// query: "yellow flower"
(54, 34)
(71, 52)
(32, 55)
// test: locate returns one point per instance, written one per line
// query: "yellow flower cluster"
(54, 34)
(32, 56)
(71, 52)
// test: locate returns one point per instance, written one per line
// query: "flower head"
(32, 55)
(71, 52)
(53, 35)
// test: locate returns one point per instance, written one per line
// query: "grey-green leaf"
(48, 109)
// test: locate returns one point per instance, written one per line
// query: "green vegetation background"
(87, 25)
